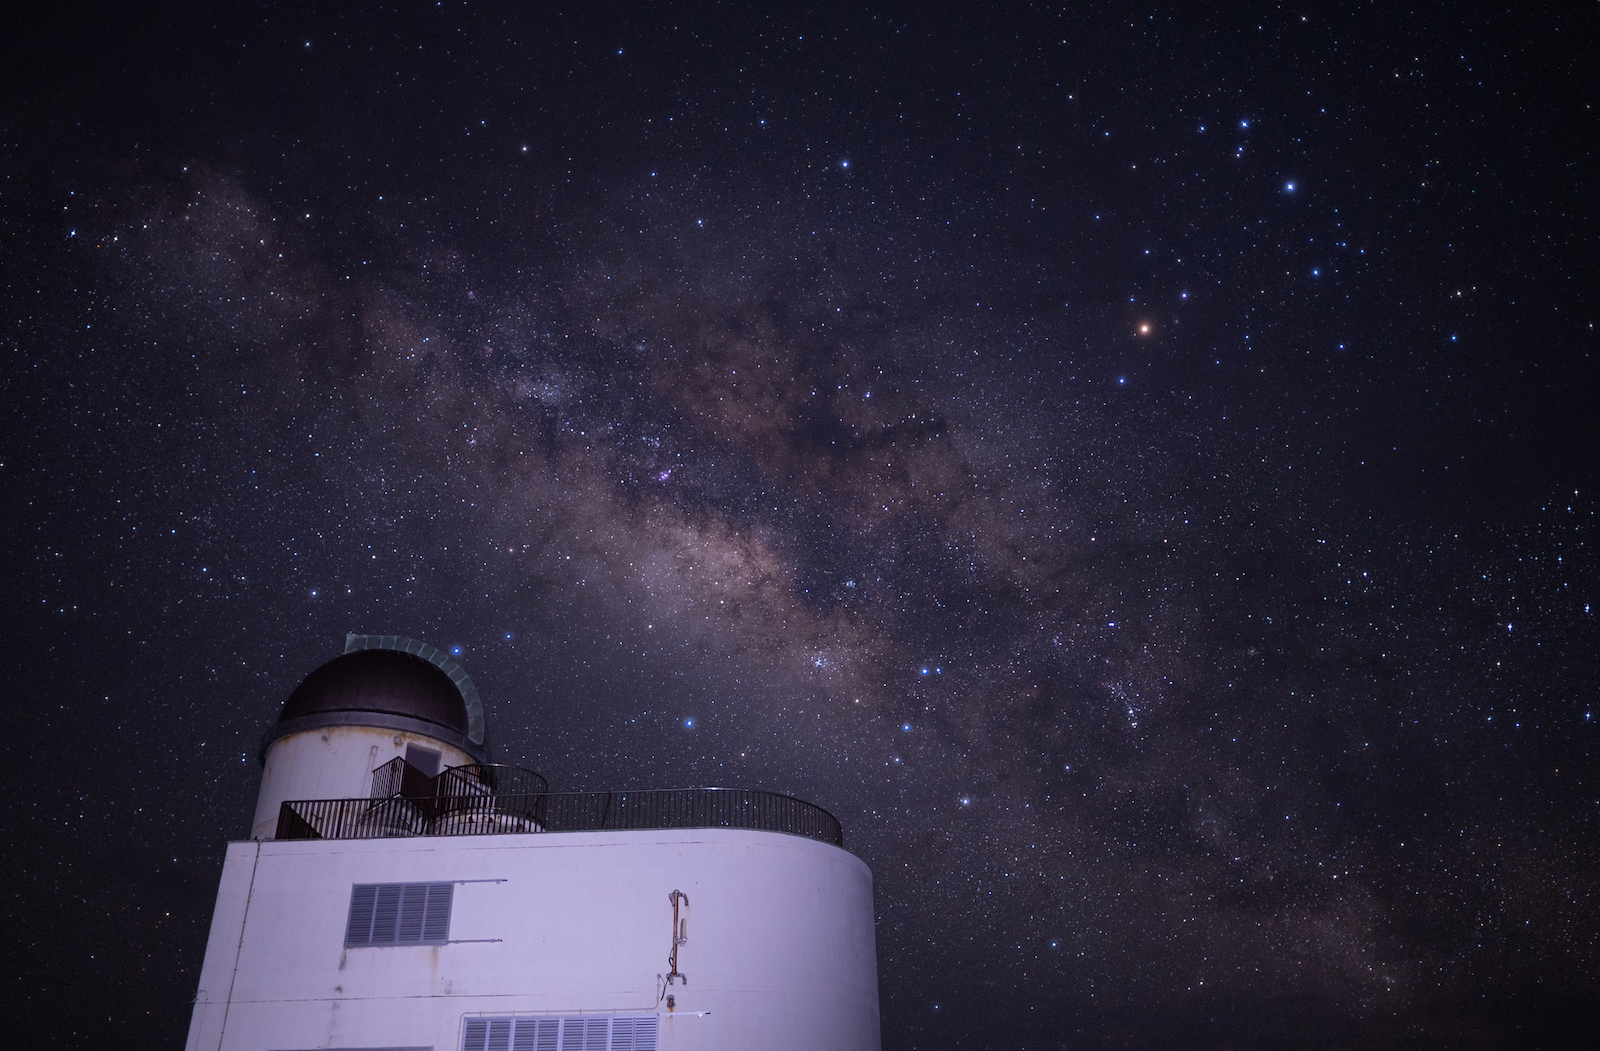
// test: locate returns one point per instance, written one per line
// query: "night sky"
(1135, 466)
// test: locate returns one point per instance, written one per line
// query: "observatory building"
(399, 893)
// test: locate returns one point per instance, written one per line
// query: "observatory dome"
(380, 681)
(391, 683)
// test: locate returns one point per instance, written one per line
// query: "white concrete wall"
(781, 950)
(333, 762)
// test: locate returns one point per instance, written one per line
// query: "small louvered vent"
(636, 1033)
(579, 1033)
(585, 1034)
(398, 914)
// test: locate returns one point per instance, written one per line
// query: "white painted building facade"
(636, 939)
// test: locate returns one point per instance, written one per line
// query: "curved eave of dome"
(375, 720)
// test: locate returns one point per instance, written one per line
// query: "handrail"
(493, 814)
(453, 789)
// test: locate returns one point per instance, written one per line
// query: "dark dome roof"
(388, 682)
(380, 681)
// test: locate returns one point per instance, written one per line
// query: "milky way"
(1148, 503)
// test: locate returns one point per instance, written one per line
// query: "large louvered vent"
(579, 1033)
(398, 914)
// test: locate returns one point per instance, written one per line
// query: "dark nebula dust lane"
(1135, 468)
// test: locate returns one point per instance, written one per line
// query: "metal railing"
(455, 790)
(399, 778)
(497, 814)
(501, 780)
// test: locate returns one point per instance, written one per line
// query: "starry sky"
(1134, 465)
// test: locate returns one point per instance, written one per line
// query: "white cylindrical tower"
(385, 697)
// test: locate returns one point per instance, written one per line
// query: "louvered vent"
(578, 1033)
(398, 914)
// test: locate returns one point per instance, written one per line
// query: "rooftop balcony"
(497, 800)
